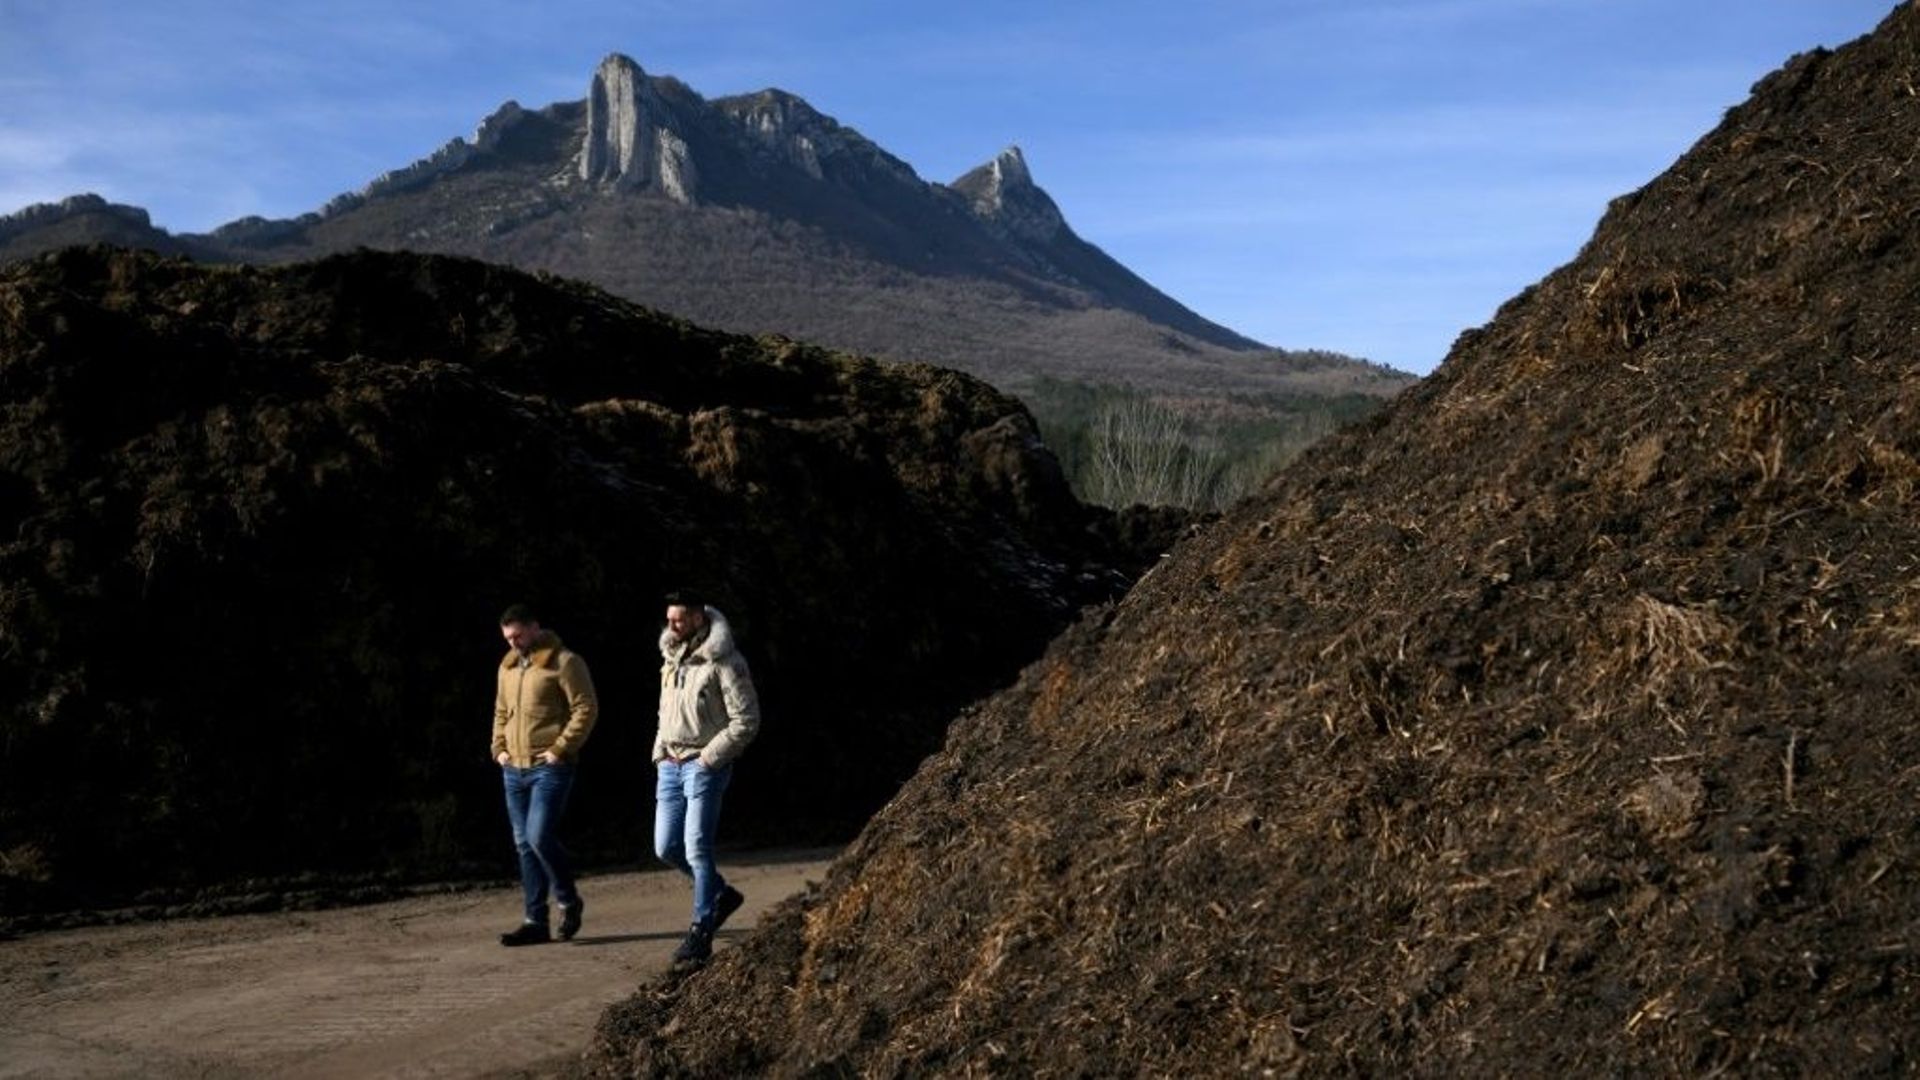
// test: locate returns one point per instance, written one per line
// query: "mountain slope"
(757, 213)
(1561, 721)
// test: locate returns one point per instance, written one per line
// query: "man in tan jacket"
(543, 710)
(708, 714)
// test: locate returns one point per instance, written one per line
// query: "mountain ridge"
(758, 213)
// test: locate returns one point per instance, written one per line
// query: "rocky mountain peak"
(778, 108)
(492, 130)
(632, 139)
(1010, 166)
(787, 125)
(41, 214)
(1002, 193)
(791, 129)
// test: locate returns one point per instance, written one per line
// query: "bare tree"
(1140, 451)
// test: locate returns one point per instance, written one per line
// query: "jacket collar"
(545, 652)
(716, 644)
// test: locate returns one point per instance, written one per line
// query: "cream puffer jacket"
(707, 702)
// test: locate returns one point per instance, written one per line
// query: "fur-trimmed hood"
(708, 706)
(714, 643)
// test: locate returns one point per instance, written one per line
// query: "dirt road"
(413, 988)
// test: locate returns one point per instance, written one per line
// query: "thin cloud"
(26, 151)
(1407, 15)
(1527, 132)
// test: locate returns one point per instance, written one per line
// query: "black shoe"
(697, 947)
(531, 933)
(570, 919)
(728, 903)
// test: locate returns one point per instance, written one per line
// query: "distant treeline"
(1120, 446)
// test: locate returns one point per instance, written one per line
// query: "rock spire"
(631, 141)
(1002, 193)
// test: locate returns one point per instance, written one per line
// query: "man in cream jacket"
(708, 714)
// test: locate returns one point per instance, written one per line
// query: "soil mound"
(1560, 721)
(258, 525)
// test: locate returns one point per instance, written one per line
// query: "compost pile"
(258, 526)
(1560, 721)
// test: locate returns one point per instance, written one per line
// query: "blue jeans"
(686, 812)
(536, 798)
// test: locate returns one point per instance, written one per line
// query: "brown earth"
(1562, 721)
(256, 527)
(415, 988)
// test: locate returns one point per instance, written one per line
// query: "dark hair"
(687, 598)
(518, 613)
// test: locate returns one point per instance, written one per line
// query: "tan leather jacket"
(545, 701)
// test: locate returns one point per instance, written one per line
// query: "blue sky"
(1369, 176)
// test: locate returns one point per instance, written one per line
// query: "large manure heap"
(1560, 720)
(256, 527)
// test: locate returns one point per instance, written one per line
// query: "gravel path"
(413, 988)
